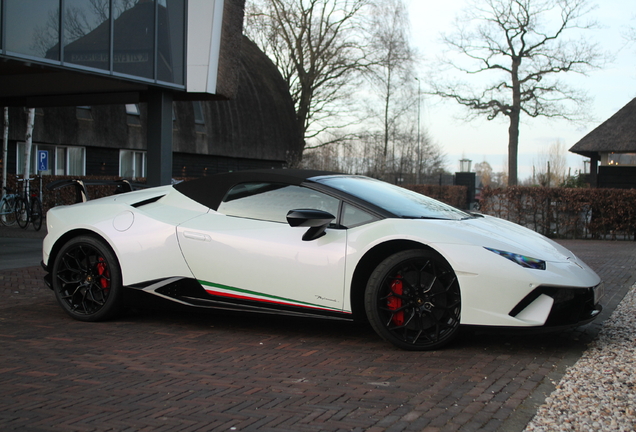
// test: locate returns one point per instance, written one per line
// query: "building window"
(132, 109)
(62, 160)
(621, 159)
(132, 164)
(146, 37)
(170, 41)
(198, 113)
(134, 39)
(133, 115)
(83, 112)
(87, 33)
(32, 34)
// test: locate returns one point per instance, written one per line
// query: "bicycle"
(8, 207)
(29, 208)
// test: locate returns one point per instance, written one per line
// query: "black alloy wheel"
(86, 278)
(413, 300)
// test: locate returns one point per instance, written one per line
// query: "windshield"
(397, 200)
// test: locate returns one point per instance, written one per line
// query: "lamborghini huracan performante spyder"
(314, 243)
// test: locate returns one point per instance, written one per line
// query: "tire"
(413, 301)
(36, 214)
(86, 279)
(7, 213)
(21, 212)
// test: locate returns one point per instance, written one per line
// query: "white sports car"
(314, 243)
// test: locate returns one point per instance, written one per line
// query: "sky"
(609, 88)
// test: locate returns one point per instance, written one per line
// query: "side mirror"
(316, 220)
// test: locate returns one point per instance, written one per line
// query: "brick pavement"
(158, 371)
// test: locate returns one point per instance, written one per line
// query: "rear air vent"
(148, 201)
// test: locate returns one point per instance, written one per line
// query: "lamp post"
(419, 148)
(466, 178)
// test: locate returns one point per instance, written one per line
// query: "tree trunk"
(513, 148)
(27, 148)
(513, 130)
(5, 148)
(387, 103)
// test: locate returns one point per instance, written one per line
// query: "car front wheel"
(413, 300)
(87, 279)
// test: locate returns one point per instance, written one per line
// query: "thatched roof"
(616, 134)
(260, 121)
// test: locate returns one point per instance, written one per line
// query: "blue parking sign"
(43, 160)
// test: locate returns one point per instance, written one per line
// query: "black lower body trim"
(189, 292)
(572, 306)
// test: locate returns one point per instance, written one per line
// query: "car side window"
(272, 201)
(353, 216)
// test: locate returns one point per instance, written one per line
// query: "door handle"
(196, 236)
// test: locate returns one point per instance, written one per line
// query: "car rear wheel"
(413, 300)
(87, 279)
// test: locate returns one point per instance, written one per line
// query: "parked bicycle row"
(22, 208)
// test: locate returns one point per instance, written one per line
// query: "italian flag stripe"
(243, 294)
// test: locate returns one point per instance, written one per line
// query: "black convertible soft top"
(211, 190)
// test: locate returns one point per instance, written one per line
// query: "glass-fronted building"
(91, 52)
(139, 40)
(81, 53)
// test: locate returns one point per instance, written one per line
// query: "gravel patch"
(598, 393)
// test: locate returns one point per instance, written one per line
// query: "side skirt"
(190, 292)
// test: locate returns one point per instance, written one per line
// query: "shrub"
(565, 212)
(457, 196)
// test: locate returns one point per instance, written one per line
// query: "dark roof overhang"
(616, 134)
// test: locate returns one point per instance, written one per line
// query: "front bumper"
(564, 307)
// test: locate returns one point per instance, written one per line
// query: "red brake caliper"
(102, 271)
(394, 302)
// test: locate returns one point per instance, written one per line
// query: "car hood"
(492, 232)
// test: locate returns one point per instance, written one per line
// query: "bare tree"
(390, 72)
(550, 169)
(406, 153)
(483, 170)
(317, 46)
(364, 155)
(523, 45)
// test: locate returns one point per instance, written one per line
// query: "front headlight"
(522, 260)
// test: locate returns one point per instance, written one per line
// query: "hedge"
(456, 196)
(566, 212)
